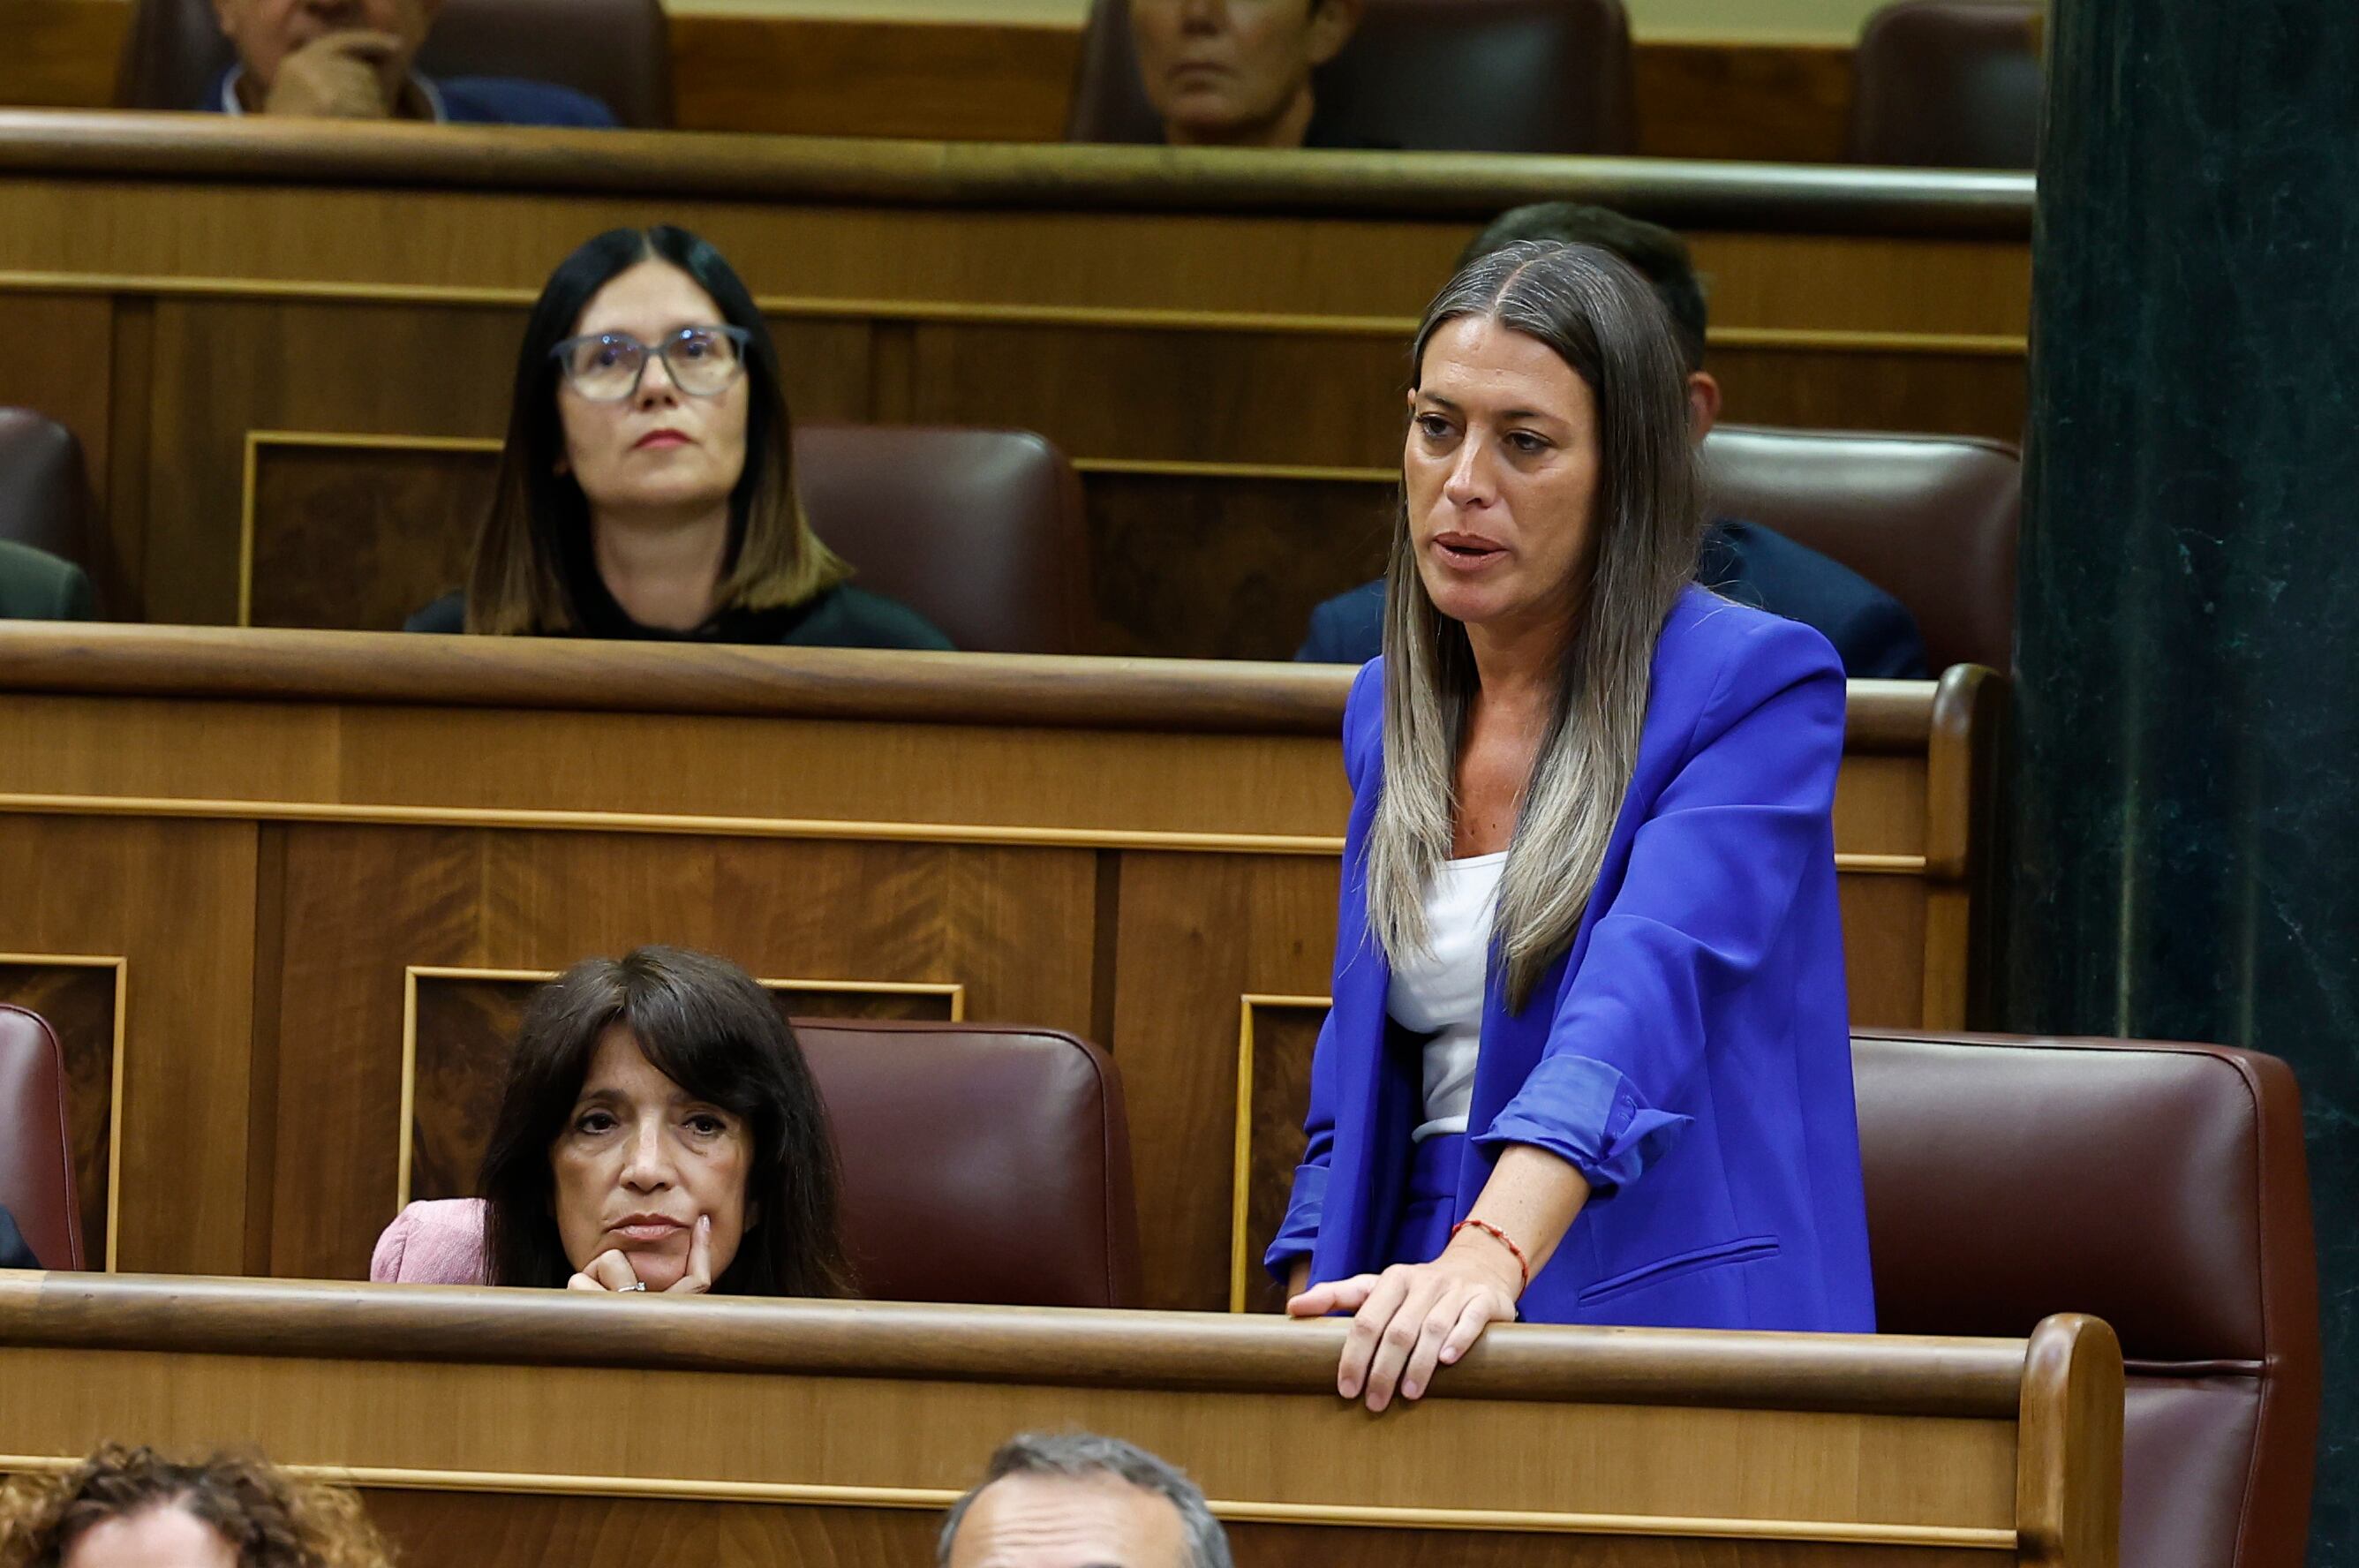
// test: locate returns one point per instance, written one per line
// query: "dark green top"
(37, 586)
(841, 617)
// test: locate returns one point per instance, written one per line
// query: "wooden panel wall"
(843, 1433)
(269, 377)
(979, 82)
(312, 896)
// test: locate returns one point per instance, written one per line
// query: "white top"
(1438, 993)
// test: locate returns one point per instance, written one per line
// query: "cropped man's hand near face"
(346, 59)
(342, 76)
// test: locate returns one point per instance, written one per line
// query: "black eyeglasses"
(606, 368)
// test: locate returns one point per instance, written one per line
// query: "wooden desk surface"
(489, 1426)
(269, 881)
(287, 347)
(1703, 194)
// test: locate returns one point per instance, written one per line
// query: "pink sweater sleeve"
(437, 1243)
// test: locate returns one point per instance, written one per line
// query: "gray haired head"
(1087, 1456)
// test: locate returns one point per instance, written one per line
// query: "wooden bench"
(249, 869)
(496, 1427)
(280, 342)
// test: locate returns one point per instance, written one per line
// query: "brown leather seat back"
(618, 51)
(2161, 1187)
(37, 1174)
(980, 531)
(1435, 75)
(44, 491)
(1930, 520)
(986, 1163)
(1948, 84)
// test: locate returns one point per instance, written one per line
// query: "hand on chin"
(658, 1264)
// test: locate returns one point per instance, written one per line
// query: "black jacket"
(841, 618)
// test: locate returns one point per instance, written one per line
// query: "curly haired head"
(269, 1518)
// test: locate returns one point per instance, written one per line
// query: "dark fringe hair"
(536, 538)
(703, 1023)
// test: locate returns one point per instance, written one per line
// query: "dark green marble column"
(2187, 767)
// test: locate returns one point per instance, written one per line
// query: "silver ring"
(634, 1285)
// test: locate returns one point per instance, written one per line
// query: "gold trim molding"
(1670, 1527)
(830, 829)
(953, 312)
(122, 967)
(250, 481)
(1241, 1260)
(955, 991)
(526, 819)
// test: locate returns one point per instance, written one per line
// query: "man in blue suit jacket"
(14, 1253)
(1871, 633)
(351, 59)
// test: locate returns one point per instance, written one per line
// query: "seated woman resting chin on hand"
(660, 1131)
(1589, 1060)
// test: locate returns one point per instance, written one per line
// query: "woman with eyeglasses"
(646, 489)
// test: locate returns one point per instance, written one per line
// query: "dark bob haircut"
(535, 541)
(704, 1024)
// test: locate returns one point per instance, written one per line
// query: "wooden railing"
(503, 1426)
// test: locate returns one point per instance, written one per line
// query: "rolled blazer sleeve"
(1304, 1207)
(1299, 1230)
(1713, 871)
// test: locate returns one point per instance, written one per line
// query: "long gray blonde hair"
(1646, 531)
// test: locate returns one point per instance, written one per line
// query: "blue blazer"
(1753, 565)
(1690, 1054)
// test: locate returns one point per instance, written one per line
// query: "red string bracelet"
(1503, 1239)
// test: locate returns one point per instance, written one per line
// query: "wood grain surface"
(1856, 1373)
(841, 1430)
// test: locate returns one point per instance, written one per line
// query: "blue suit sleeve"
(1881, 642)
(1300, 1229)
(1346, 629)
(1318, 639)
(1712, 873)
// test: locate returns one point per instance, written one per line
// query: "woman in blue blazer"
(1589, 1057)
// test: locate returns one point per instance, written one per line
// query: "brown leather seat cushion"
(618, 51)
(2161, 1187)
(37, 1175)
(980, 531)
(44, 492)
(985, 1163)
(1948, 84)
(1435, 75)
(1930, 520)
